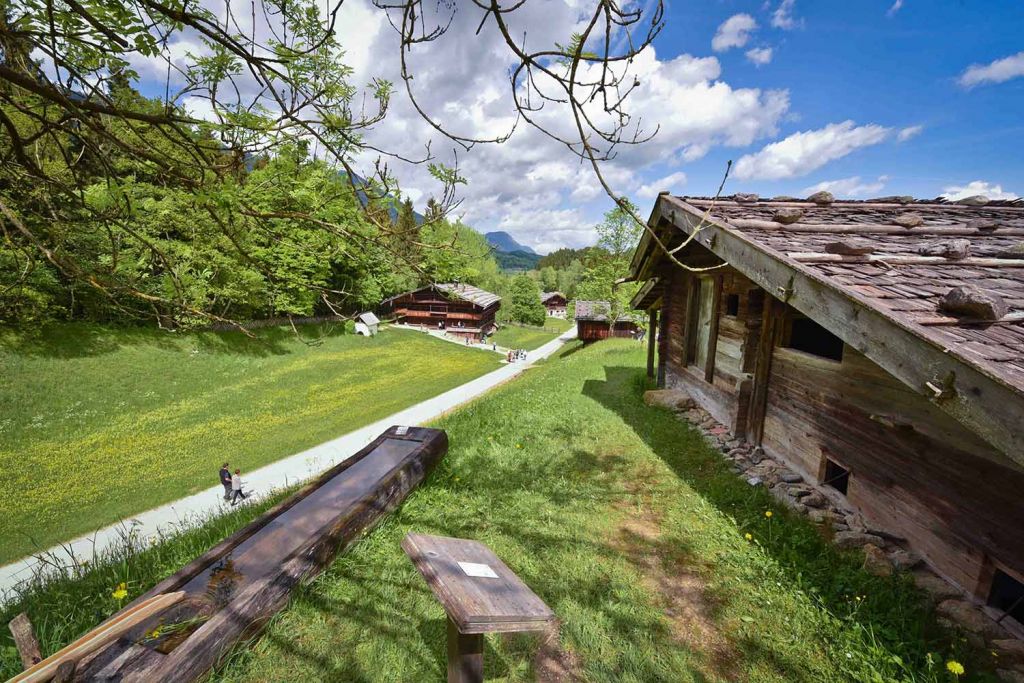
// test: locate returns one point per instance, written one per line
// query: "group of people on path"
(232, 484)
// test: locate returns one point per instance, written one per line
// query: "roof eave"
(986, 404)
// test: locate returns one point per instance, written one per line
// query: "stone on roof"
(917, 256)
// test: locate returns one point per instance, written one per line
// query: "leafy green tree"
(548, 279)
(523, 301)
(618, 235)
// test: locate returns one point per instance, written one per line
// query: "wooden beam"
(667, 294)
(985, 403)
(771, 329)
(691, 288)
(948, 229)
(905, 260)
(25, 640)
(892, 206)
(465, 655)
(716, 305)
(262, 563)
(110, 630)
(652, 334)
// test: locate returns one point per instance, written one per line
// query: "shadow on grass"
(897, 616)
(81, 340)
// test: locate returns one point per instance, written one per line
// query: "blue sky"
(859, 61)
(864, 98)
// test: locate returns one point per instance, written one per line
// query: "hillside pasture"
(97, 424)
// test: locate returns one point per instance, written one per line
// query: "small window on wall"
(836, 476)
(1007, 595)
(810, 337)
(732, 304)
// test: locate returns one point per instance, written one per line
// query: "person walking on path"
(225, 480)
(236, 487)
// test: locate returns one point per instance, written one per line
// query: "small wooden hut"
(458, 309)
(555, 304)
(876, 347)
(592, 322)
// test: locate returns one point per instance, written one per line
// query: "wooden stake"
(25, 640)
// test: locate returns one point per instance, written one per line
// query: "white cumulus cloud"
(908, 132)
(803, 152)
(532, 186)
(974, 187)
(733, 32)
(759, 55)
(669, 182)
(782, 17)
(849, 187)
(994, 72)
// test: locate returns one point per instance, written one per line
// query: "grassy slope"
(597, 501)
(513, 336)
(98, 424)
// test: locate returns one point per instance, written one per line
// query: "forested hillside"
(272, 235)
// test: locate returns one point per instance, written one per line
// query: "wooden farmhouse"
(458, 309)
(831, 336)
(592, 322)
(555, 303)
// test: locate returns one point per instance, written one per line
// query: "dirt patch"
(552, 664)
(684, 595)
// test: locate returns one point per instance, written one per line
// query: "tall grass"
(68, 602)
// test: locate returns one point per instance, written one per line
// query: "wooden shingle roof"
(892, 257)
(469, 293)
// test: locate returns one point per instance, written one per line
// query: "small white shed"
(366, 324)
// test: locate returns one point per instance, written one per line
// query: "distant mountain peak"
(504, 242)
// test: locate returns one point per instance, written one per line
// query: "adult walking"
(225, 480)
(236, 487)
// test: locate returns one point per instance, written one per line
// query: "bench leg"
(465, 656)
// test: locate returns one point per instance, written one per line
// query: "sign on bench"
(479, 593)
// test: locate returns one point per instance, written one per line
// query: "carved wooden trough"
(232, 590)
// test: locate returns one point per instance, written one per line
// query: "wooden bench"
(479, 593)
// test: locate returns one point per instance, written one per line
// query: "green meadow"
(515, 336)
(97, 424)
(659, 562)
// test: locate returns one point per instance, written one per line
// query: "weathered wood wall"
(914, 470)
(726, 396)
(594, 330)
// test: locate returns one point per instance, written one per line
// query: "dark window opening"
(1007, 595)
(810, 337)
(732, 304)
(836, 476)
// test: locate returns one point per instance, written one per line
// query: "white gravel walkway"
(282, 473)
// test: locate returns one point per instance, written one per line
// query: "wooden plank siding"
(914, 470)
(726, 395)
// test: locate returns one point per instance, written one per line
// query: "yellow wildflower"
(121, 592)
(768, 513)
(749, 537)
(954, 667)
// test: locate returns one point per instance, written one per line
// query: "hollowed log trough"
(233, 589)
